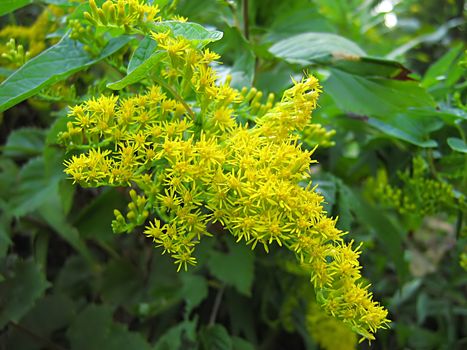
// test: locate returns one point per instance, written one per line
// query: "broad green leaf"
(457, 144)
(145, 49)
(406, 128)
(372, 67)
(34, 187)
(7, 6)
(241, 344)
(94, 329)
(179, 337)
(54, 64)
(138, 73)
(20, 291)
(122, 283)
(191, 31)
(291, 20)
(94, 220)
(375, 96)
(194, 290)
(216, 337)
(308, 48)
(50, 314)
(235, 268)
(24, 143)
(39, 190)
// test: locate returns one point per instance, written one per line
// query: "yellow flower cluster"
(187, 146)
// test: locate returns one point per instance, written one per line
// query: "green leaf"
(439, 70)
(94, 329)
(433, 37)
(54, 64)
(191, 31)
(50, 314)
(138, 73)
(145, 49)
(122, 283)
(24, 143)
(179, 337)
(308, 48)
(33, 187)
(372, 67)
(407, 128)
(94, 220)
(387, 231)
(235, 268)
(216, 337)
(194, 290)
(240, 51)
(457, 144)
(7, 6)
(375, 96)
(241, 344)
(38, 189)
(19, 292)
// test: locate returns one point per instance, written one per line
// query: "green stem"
(216, 306)
(176, 95)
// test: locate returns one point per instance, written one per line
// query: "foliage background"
(68, 282)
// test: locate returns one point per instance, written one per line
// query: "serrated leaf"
(54, 64)
(94, 329)
(189, 30)
(457, 144)
(308, 48)
(375, 96)
(7, 6)
(19, 292)
(236, 268)
(24, 143)
(145, 49)
(139, 73)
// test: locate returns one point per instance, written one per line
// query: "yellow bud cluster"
(26, 42)
(418, 194)
(186, 146)
(124, 14)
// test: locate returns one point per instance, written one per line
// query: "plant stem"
(216, 306)
(176, 95)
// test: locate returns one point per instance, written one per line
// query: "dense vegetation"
(303, 164)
